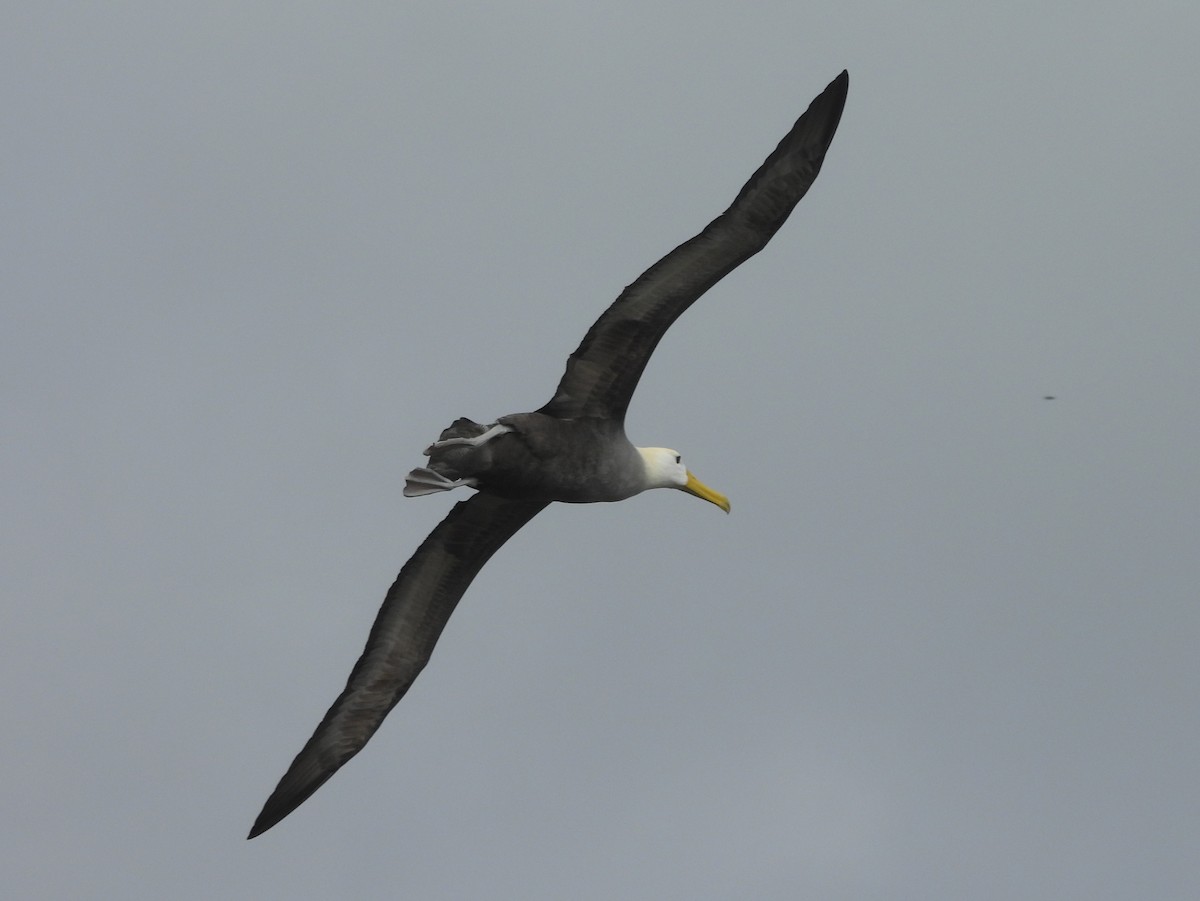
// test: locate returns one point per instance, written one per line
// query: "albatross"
(573, 449)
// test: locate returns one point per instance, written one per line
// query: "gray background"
(256, 256)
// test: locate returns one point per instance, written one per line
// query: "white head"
(665, 469)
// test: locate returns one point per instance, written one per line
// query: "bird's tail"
(422, 481)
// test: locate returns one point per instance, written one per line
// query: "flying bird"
(573, 449)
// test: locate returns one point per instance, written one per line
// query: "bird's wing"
(604, 371)
(407, 627)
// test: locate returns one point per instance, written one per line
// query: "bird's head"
(665, 469)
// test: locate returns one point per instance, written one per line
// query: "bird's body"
(541, 457)
(573, 450)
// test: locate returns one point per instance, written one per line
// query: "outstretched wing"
(408, 626)
(604, 371)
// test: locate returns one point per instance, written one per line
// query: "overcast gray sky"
(255, 257)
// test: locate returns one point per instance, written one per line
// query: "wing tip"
(298, 784)
(836, 91)
(260, 827)
(270, 816)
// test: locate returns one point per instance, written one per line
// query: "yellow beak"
(702, 491)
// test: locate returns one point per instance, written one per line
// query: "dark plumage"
(573, 449)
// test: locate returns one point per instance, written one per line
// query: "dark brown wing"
(408, 626)
(604, 371)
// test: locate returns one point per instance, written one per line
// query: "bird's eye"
(678, 459)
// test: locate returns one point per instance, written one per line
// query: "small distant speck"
(1049, 397)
